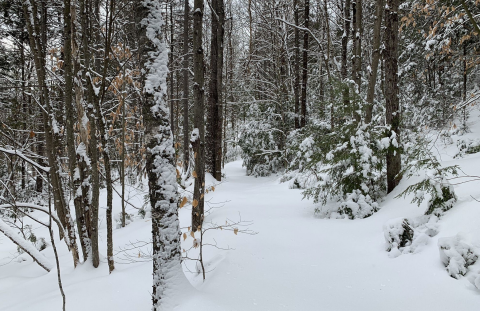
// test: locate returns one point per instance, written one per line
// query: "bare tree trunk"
(218, 131)
(198, 134)
(122, 155)
(38, 48)
(82, 149)
(212, 103)
(357, 53)
(345, 36)
(88, 33)
(305, 66)
(296, 87)
(391, 93)
(250, 37)
(186, 140)
(357, 35)
(104, 137)
(69, 75)
(172, 46)
(375, 59)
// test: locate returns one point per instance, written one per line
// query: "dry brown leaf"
(235, 231)
(194, 174)
(184, 201)
(195, 203)
(192, 234)
(184, 236)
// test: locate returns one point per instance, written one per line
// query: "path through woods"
(295, 262)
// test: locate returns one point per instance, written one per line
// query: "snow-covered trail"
(299, 262)
(295, 262)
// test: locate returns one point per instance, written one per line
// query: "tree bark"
(186, 140)
(357, 54)
(88, 34)
(104, 137)
(38, 48)
(357, 35)
(219, 126)
(375, 59)
(198, 134)
(212, 101)
(160, 161)
(82, 149)
(69, 75)
(345, 36)
(391, 93)
(296, 87)
(303, 120)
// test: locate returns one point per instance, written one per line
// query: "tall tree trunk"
(88, 32)
(160, 161)
(172, 46)
(219, 127)
(305, 65)
(375, 59)
(391, 93)
(34, 18)
(69, 75)
(104, 136)
(345, 37)
(198, 134)
(82, 149)
(212, 103)
(357, 35)
(123, 148)
(186, 140)
(357, 53)
(296, 87)
(250, 37)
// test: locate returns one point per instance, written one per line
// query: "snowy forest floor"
(295, 262)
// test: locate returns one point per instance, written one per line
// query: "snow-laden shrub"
(41, 244)
(129, 218)
(352, 171)
(262, 142)
(435, 183)
(457, 255)
(355, 206)
(304, 154)
(467, 146)
(409, 235)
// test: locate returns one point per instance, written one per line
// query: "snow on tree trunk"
(160, 161)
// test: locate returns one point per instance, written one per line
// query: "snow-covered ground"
(295, 261)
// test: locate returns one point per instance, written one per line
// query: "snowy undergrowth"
(449, 189)
(294, 262)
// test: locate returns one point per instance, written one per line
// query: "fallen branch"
(26, 246)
